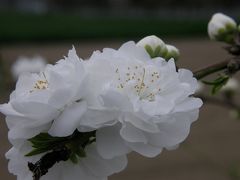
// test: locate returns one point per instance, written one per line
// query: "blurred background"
(49, 28)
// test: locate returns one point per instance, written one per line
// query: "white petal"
(140, 123)
(59, 98)
(26, 132)
(114, 99)
(103, 167)
(158, 107)
(35, 110)
(187, 77)
(134, 51)
(7, 110)
(132, 134)
(18, 165)
(173, 131)
(188, 105)
(96, 118)
(69, 120)
(109, 142)
(145, 149)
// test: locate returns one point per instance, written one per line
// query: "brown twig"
(203, 72)
(230, 65)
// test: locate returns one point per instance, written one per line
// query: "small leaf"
(74, 158)
(80, 152)
(36, 152)
(44, 140)
(217, 83)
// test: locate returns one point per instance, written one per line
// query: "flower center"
(41, 84)
(143, 81)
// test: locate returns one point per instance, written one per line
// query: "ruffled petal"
(96, 118)
(188, 104)
(103, 167)
(132, 134)
(69, 120)
(145, 149)
(109, 142)
(173, 131)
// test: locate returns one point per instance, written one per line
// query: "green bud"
(222, 28)
(172, 52)
(154, 46)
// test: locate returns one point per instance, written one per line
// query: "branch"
(201, 73)
(231, 65)
(42, 166)
(58, 149)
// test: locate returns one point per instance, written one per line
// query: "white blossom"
(134, 101)
(54, 101)
(50, 101)
(92, 167)
(221, 27)
(24, 64)
(154, 101)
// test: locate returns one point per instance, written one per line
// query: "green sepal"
(217, 83)
(36, 152)
(74, 158)
(44, 142)
(156, 52)
(149, 50)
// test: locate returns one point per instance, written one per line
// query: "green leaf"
(44, 142)
(74, 158)
(76, 143)
(36, 152)
(217, 83)
(80, 152)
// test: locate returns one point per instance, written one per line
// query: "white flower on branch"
(125, 100)
(24, 64)
(154, 101)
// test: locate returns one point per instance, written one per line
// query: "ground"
(212, 149)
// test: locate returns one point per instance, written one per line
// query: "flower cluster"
(79, 119)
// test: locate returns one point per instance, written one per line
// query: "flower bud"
(172, 52)
(232, 85)
(154, 46)
(222, 28)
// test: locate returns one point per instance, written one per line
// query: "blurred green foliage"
(53, 27)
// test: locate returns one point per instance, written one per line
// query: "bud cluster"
(222, 28)
(157, 48)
